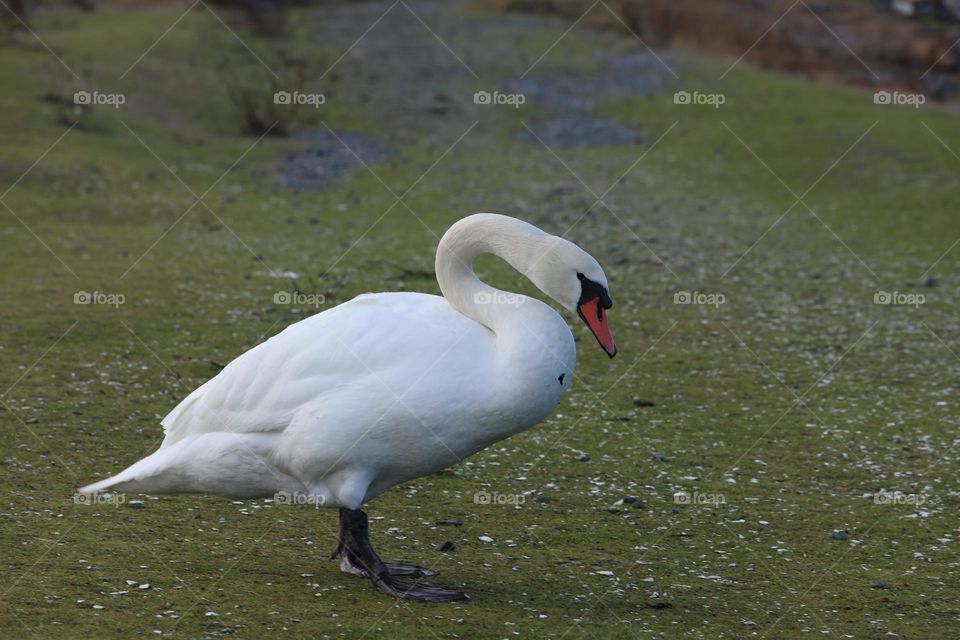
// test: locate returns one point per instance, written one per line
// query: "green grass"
(91, 382)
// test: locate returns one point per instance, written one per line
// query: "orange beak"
(595, 316)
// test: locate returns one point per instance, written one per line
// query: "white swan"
(387, 387)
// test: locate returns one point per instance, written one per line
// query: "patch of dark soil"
(633, 74)
(331, 158)
(579, 130)
(630, 74)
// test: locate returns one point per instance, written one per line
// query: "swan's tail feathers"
(226, 464)
(152, 474)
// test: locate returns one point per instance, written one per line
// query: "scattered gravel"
(331, 158)
(629, 74)
(578, 130)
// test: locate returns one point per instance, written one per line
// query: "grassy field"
(782, 412)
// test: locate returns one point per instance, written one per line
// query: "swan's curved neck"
(521, 245)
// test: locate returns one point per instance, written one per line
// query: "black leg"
(349, 563)
(359, 558)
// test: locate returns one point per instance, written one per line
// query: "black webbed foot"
(402, 569)
(400, 587)
(397, 579)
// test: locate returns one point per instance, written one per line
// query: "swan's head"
(572, 277)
